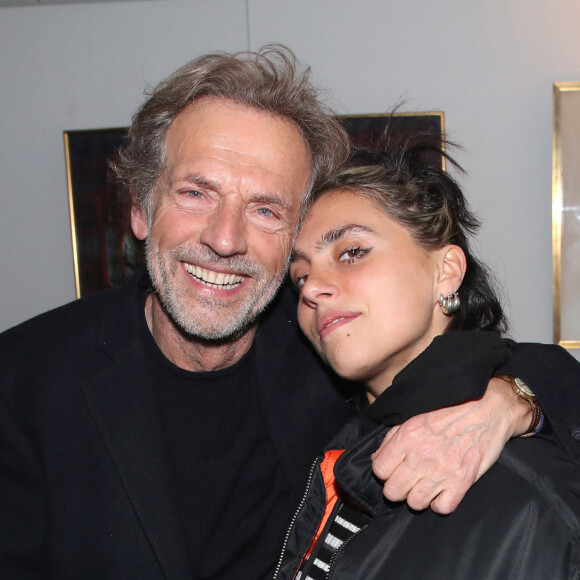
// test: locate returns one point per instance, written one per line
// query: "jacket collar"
(123, 403)
(455, 368)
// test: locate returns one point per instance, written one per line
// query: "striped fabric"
(346, 524)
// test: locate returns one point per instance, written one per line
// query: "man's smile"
(219, 280)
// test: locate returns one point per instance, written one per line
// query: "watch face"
(523, 387)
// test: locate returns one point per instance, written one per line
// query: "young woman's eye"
(352, 254)
(299, 282)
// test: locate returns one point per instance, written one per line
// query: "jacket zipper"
(336, 554)
(295, 516)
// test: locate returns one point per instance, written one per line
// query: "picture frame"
(566, 213)
(361, 127)
(105, 252)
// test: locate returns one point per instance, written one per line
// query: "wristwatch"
(522, 390)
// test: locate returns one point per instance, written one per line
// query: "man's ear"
(139, 221)
(452, 269)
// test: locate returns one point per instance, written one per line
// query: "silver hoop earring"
(449, 304)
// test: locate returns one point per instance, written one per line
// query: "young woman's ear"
(452, 269)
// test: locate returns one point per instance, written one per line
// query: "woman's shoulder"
(544, 476)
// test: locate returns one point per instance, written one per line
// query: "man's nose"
(226, 230)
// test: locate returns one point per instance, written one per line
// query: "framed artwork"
(361, 127)
(566, 214)
(105, 251)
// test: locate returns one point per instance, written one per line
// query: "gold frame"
(96, 223)
(100, 240)
(71, 208)
(565, 210)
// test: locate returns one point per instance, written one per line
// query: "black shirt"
(229, 485)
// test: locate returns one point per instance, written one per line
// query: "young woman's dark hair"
(404, 174)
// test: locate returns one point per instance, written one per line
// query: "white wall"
(489, 65)
(78, 67)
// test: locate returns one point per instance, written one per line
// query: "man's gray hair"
(271, 80)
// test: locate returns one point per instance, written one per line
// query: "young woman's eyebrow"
(335, 234)
(328, 238)
(297, 255)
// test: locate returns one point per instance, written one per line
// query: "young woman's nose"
(320, 285)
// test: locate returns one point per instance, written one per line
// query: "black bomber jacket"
(521, 520)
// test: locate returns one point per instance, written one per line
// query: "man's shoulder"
(67, 332)
(60, 321)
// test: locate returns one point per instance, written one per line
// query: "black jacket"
(521, 520)
(85, 490)
(84, 466)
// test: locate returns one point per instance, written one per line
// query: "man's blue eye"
(194, 193)
(265, 212)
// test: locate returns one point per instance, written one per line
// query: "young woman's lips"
(333, 320)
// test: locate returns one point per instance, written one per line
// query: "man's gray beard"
(176, 305)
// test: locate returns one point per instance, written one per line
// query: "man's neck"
(189, 353)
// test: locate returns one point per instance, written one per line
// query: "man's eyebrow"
(270, 199)
(329, 237)
(203, 181)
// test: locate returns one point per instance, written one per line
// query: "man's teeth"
(214, 279)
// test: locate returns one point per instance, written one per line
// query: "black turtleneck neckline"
(455, 368)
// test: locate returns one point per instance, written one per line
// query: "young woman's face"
(368, 293)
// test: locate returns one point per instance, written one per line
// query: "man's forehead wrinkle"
(222, 147)
(240, 156)
(215, 159)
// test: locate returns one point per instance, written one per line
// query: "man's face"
(223, 215)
